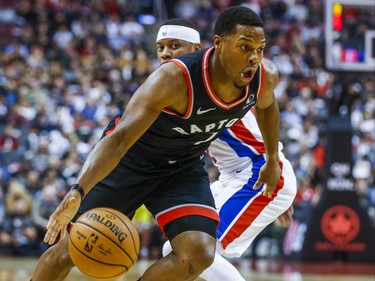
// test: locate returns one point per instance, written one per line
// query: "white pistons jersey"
(239, 153)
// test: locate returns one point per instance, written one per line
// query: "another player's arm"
(166, 87)
(268, 118)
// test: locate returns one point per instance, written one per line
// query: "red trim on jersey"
(183, 211)
(117, 120)
(250, 214)
(253, 111)
(210, 90)
(189, 84)
(261, 81)
(245, 135)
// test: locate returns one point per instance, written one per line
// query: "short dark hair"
(233, 16)
(180, 22)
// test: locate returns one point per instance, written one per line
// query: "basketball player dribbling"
(154, 154)
(239, 154)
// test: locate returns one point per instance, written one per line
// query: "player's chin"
(241, 84)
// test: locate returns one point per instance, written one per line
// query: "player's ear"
(197, 46)
(217, 41)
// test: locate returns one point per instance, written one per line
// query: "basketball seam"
(131, 233)
(133, 262)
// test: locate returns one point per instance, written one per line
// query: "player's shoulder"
(193, 55)
(170, 74)
(270, 70)
(270, 67)
(185, 63)
(191, 60)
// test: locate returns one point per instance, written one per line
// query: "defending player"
(153, 156)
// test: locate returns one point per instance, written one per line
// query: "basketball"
(103, 243)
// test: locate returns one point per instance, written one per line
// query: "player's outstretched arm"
(166, 87)
(268, 118)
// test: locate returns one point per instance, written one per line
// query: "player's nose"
(253, 58)
(166, 54)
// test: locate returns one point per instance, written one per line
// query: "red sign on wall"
(340, 224)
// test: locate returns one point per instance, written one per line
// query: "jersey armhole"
(261, 81)
(189, 84)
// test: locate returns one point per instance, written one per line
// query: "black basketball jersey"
(173, 137)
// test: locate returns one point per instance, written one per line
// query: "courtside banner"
(338, 228)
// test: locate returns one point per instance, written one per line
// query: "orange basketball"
(104, 243)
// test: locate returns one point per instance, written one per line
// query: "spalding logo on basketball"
(104, 243)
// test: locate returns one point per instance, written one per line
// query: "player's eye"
(245, 47)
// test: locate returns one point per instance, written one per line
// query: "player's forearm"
(101, 161)
(269, 123)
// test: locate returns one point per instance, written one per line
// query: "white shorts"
(245, 212)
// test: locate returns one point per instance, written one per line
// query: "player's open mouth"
(247, 75)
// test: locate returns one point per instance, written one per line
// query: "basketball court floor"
(20, 269)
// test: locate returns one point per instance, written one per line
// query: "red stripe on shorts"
(250, 214)
(185, 210)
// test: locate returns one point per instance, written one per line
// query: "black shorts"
(171, 192)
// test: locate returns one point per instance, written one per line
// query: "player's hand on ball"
(63, 214)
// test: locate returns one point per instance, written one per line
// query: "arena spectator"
(18, 232)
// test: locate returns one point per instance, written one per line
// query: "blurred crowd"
(68, 66)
